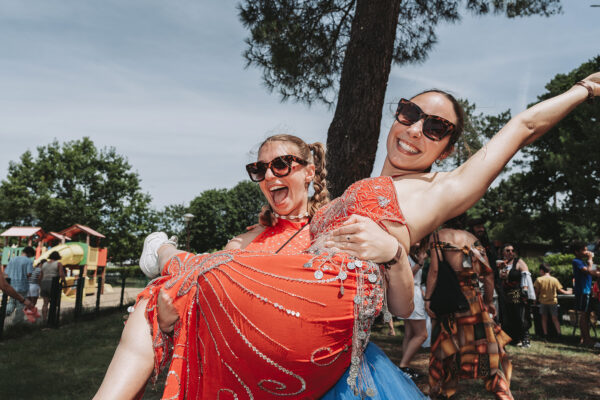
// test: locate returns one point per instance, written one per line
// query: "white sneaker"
(149, 258)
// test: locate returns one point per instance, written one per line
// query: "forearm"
(9, 290)
(488, 288)
(537, 120)
(400, 288)
(467, 183)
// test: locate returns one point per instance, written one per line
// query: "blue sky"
(165, 83)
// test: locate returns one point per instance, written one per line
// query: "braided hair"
(313, 153)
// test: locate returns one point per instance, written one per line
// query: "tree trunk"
(354, 132)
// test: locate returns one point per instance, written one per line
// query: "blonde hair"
(313, 153)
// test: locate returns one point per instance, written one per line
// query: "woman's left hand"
(429, 310)
(362, 238)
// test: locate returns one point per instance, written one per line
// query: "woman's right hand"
(364, 239)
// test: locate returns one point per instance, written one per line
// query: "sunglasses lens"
(435, 129)
(256, 171)
(408, 113)
(281, 166)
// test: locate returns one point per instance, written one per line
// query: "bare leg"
(133, 361)
(545, 324)
(45, 308)
(166, 252)
(418, 329)
(392, 331)
(407, 335)
(584, 326)
(556, 324)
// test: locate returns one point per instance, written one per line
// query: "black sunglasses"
(434, 128)
(280, 166)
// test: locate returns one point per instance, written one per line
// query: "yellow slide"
(71, 254)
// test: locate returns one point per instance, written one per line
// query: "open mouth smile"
(408, 148)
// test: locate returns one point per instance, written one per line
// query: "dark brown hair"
(314, 153)
(29, 251)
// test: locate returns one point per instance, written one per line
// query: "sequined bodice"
(374, 198)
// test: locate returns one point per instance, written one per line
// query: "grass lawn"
(545, 371)
(70, 362)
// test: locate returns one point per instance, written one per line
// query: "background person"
(583, 272)
(19, 270)
(8, 289)
(546, 288)
(517, 289)
(34, 282)
(50, 269)
(466, 345)
(415, 327)
(477, 228)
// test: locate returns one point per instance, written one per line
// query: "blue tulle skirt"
(380, 373)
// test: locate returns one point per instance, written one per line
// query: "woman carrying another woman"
(271, 325)
(426, 128)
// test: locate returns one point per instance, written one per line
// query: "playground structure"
(78, 257)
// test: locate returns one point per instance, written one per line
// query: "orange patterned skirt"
(469, 345)
(256, 325)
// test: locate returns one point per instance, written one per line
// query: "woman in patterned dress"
(467, 344)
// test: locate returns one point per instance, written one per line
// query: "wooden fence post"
(98, 294)
(3, 305)
(79, 297)
(123, 279)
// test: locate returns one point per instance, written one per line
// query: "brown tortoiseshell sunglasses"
(434, 128)
(280, 166)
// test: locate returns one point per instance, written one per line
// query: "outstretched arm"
(447, 195)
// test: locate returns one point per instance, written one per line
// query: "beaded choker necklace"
(292, 217)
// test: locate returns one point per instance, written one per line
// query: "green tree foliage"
(170, 220)
(554, 198)
(220, 214)
(75, 182)
(323, 50)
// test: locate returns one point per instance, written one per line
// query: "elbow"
(529, 128)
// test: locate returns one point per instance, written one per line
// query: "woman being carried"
(284, 181)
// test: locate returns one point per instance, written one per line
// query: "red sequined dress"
(255, 325)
